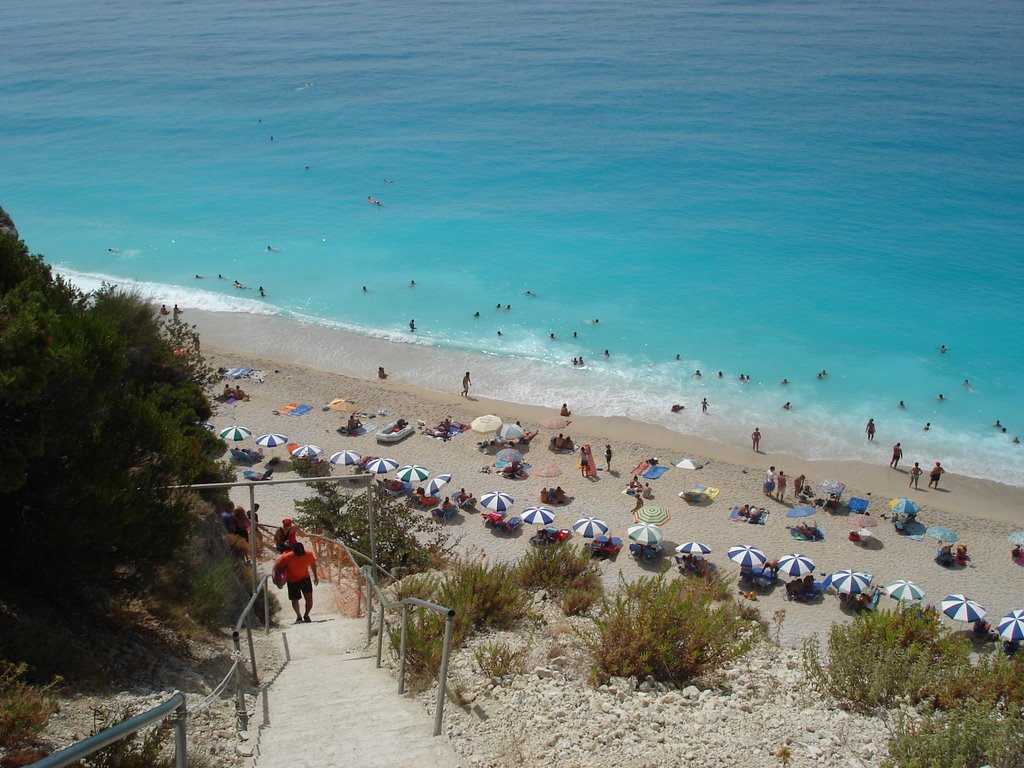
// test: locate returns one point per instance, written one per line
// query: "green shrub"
(995, 679)
(312, 467)
(496, 659)
(882, 656)
(671, 629)
(968, 736)
(565, 572)
(24, 710)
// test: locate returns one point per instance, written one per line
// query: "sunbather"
(465, 497)
(863, 600)
(961, 554)
(808, 531)
(353, 424)
(239, 394)
(646, 492)
(545, 496)
(447, 506)
(560, 497)
(944, 556)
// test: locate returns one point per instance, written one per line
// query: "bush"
(312, 467)
(24, 710)
(971, 735)
(567, 573)
(672, 630)
(995, 679)
(880, 657)
(496, 659)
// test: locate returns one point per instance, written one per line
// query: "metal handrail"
(82, 749)
(244, 618)
(405, 604)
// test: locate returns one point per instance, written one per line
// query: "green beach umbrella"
(235, 433)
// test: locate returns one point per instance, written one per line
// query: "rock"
(543, 672)
(244, 750)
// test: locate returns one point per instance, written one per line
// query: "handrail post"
(252, 648)
(240, 711)
(252, 536)
(442, 675)
(401, 651)
(380, 636)
(180, 740)
(266, 610)
(369, 603)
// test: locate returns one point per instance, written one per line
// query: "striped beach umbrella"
(437, 483)
(904, 590)
(548, 470)
(589, 527)
(271, 440)
(412, 473)
(795, 565)
(652, 515)
(497, 501)
(346, 458)
(849, 582)
(747, 556)
(1011, 626)
(511, 431)
(235, 433)
(380, 466)
(644, 533)
(832, 486)
(962, 608)
(538, 516)
(693, 548)
(863, 521)
(307, 452)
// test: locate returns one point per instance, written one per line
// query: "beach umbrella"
(850, 582)
(589, 527)
(689, 464)
(863, 521)
(962, 608)
(343, 406)
(904, 590)
(497, 501)
(652, 515)
(380, 466)
(643, 533)
(693, 548)
(538, 516)
(485, 425)
(346, 458)
(795, 565)
(942, 533)
(508, 454)
(904, 506)
(437, 483)
(307, 452)
(1017, 537)
(554, 422)
(412, 473)
(832, 486)
(271, 440)
(511, 431)
(235, 433)
(801, 512)
(1011, 626)
(548, 470)
(747, 556)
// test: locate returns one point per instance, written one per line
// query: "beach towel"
(643, 466)
(913, 530)
(653, 473)
(800, 537)
(296, 410)
(736, 517)
(240, 372)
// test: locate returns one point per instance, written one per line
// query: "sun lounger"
(761, 578)
(646, 551)
(550, 535)
(246, 455)
(255, 476)
(605, 546)
(439, 514)
(509, 526)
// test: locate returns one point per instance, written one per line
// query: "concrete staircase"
(330, 706)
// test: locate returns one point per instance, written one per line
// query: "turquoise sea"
(767, 188)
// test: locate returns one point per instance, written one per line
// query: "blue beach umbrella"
(437, 483)
(346, 458)
(849, 582)
(307, 452)
(801, 512)
(693, 548)
(271, 440)
(747, 556)
(380, 466)
(795, 565)
(589, 527)
(962, 608)
(942, 533)
(538, 516)
(496, 501)
(904, 506)
(1011, 626)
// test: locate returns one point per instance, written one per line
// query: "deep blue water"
(762, 188)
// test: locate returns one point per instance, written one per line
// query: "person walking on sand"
(297, 565)
(780, 485)
(704, 405)
(897, 454)
(608, 457)
(915, 475)
(936, 473)
(870, 429)
(465, 385)
(755, 440)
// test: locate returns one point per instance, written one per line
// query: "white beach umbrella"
(1011, 626)
(307, 452)
(795, 565)
(380, 466)
(589, 527)
(346, 458)
(485, 425)
(235, 433)
(271, 440)
(497, 501)
(904, 590)
(511, 431)
(437, 483)
(747, 556)
(849, 582)
(645, 533)
(693, 548)
(962, 608)
(411, 473)
(538, 516)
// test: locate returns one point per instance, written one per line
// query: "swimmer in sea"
(677, 357)
(967, 383)
(606, 353)
(529, 293)
(115, 250)
(902, 405)
(927, 427)
(364, 289)
(389, 181)
(552, 337)
(262, 294)
(412, 283)
(412, 326)
(941, 396)
(221, 277)
(784, 381)
(787, 406)
(943, 349)
(374, 201)
(720, 374)
(997, 425)
(476, 314)
(272, 249)
(199, 277)
(697, 374)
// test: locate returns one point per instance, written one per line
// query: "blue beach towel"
(736, 517)
(655, 472)
(299, 410)
(237, 373)
(800, 537)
